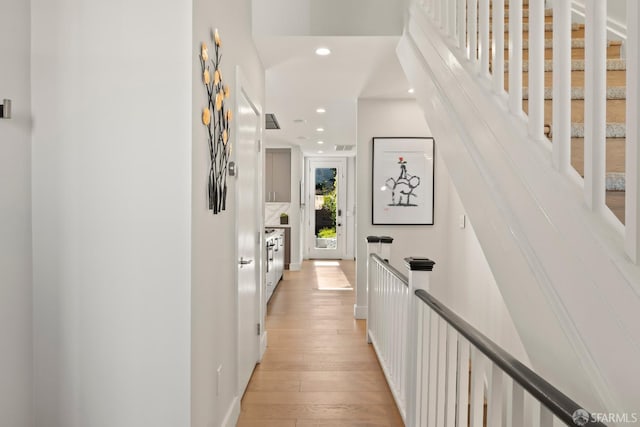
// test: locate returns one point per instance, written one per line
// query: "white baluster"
(436, 12)
(595, 103)
(536, 70)
(451, 17)
(472, 30)
(477, 388)
(515, 56)
(632, 160)
(415, 350)
(561, 148)
(461, 23)
(426, 358)
(462, 388)
(498, 46)
(517, 405)
(494, 395)
(441, 389)
(546, 417)
(531, 411)
(483, 22)
(452, 374)
(507, 401)
(433, 368)
(373, 247)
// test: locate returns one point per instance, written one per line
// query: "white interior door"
(248, 240)
(326, 203)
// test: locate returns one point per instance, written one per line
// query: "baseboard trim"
(295, 266)
(263, 344)
(231, 419)
(360, 311)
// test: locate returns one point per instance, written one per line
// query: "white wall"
(461, 277)
(15, 217)
(328, 17)
(616, 16)
(378, 118)
(213, 263)
(111, 91)
(470, 288)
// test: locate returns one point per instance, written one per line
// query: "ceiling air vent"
(344, 147)
(270, 121)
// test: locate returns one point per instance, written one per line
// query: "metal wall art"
(216, 118)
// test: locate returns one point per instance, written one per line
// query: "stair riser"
(616, 112)
(613, 92)
(613, 52)
(576, 34)
(615, 155)
(525, 19)
(614, 78)
(577, 65)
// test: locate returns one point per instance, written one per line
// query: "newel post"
(385, 247)
(419, 276)
(373, 247)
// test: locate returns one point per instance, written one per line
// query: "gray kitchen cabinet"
(278, 175)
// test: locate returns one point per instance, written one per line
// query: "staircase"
(616, 105)
(533, 180)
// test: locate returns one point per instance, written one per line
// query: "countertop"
(269, 233)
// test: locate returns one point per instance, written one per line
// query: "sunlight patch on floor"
(330, 277)
(326, 263)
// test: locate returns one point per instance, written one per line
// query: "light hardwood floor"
(318, 369)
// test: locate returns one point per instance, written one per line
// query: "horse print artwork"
(403, 187)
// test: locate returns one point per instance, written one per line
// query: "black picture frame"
(403, 181)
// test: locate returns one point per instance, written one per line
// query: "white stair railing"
(442, 371)
(470, 31)
(388, 295)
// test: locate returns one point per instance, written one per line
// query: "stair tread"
(614, 78)
(576, 65)
(613, 93)
(577, 43)
(613, 130)
(548, 27)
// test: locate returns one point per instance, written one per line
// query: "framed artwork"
(403, 181)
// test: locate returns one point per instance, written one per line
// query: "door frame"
(243, 88)
(341, 164)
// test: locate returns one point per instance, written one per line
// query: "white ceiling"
(298, 82)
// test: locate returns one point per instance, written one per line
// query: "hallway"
(318, 369)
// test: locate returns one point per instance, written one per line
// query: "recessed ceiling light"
(411, 90)
(320, 130)
(320, 110)
(323, 51)
(320, 151)
(320, 142)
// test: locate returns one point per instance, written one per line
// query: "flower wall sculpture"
(216, 118)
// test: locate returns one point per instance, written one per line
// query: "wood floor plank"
(347, 423)
(318, 369)
(243, 422)
(370, 412)
(317, 398)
